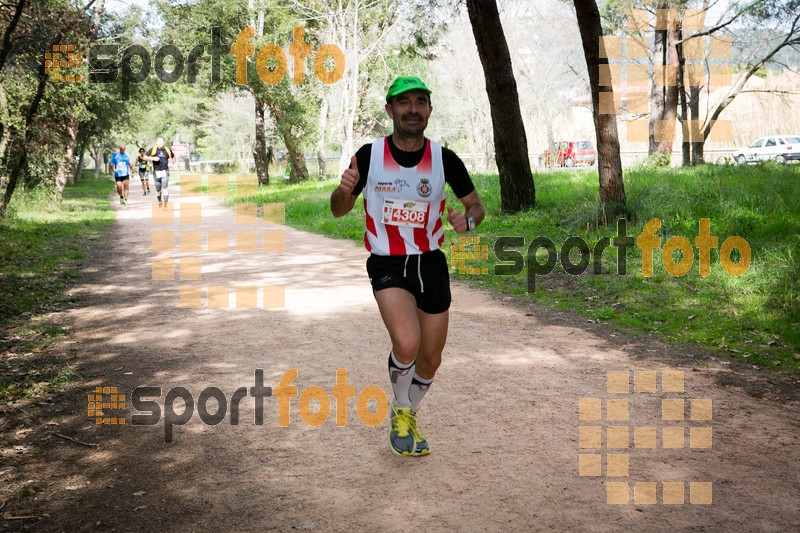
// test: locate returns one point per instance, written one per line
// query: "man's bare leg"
(418, 339)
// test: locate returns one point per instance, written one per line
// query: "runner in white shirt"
(403, 177)
(160, 155)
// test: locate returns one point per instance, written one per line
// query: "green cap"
(405, 83)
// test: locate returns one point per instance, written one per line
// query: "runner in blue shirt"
(121, 165)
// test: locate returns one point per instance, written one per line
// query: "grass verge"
(753, 318)
(41, 249)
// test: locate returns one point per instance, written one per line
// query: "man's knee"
(428, 363)
(405, 350)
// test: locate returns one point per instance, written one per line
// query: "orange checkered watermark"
(468, 248)
(63, 55)
(630, 87)
(614, 447)
(256, 233)
(105, 399)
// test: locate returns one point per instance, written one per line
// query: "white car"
(781, 148)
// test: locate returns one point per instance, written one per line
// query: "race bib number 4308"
(411, 213)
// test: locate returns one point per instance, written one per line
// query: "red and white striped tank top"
(404, 206)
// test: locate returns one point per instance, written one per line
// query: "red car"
(570, 154)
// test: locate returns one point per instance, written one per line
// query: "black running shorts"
(121, 178)
(425, 276)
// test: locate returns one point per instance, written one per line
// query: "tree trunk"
(5, 135)
(517, 190)
(270, 161)
(5, 129)
(656, 90)
(299, 172)
(260, 144)
(97, 155)
(609, 163)
(96, 16)
(5, 48)
(65, 168)
(686, 147)
(350, 96)
(22, 155)
(321, 127)
(323, 167)
(78, 174)
(670, 114)
(694, 115)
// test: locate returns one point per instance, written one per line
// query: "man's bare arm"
(342, 199)
(473, 207)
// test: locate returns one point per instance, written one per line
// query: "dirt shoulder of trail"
(502, 416)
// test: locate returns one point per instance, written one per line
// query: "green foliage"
(654, 160)
(42, 25)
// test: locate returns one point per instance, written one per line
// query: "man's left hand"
(457, 220)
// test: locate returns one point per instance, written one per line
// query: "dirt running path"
(501, 418)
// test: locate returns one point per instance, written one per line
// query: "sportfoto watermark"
(647, 241)
(147, 411)
(104, 67)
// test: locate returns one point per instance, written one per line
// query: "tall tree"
(65, 169)
(21, 157)
(609, 163)
(670, 109)
(260, 145)
(5, 47)
(31, 99)
(788, 17)
(517, 189)
(686, 147)
(292, 107)
(776, 22)
(658, 59)
(379, 40)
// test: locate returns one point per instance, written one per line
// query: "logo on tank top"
(388, 186)
(423, 188)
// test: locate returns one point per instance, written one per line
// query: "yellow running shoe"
(420, 441)
(401, 438)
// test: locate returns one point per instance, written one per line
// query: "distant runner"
(120, 164)
(143, 177)
(160, 156)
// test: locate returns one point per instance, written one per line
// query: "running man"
(160, 156)
(403, 177)
(143, 177)
(120, 164)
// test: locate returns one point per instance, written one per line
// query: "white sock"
(419, 386)
(400, 376)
